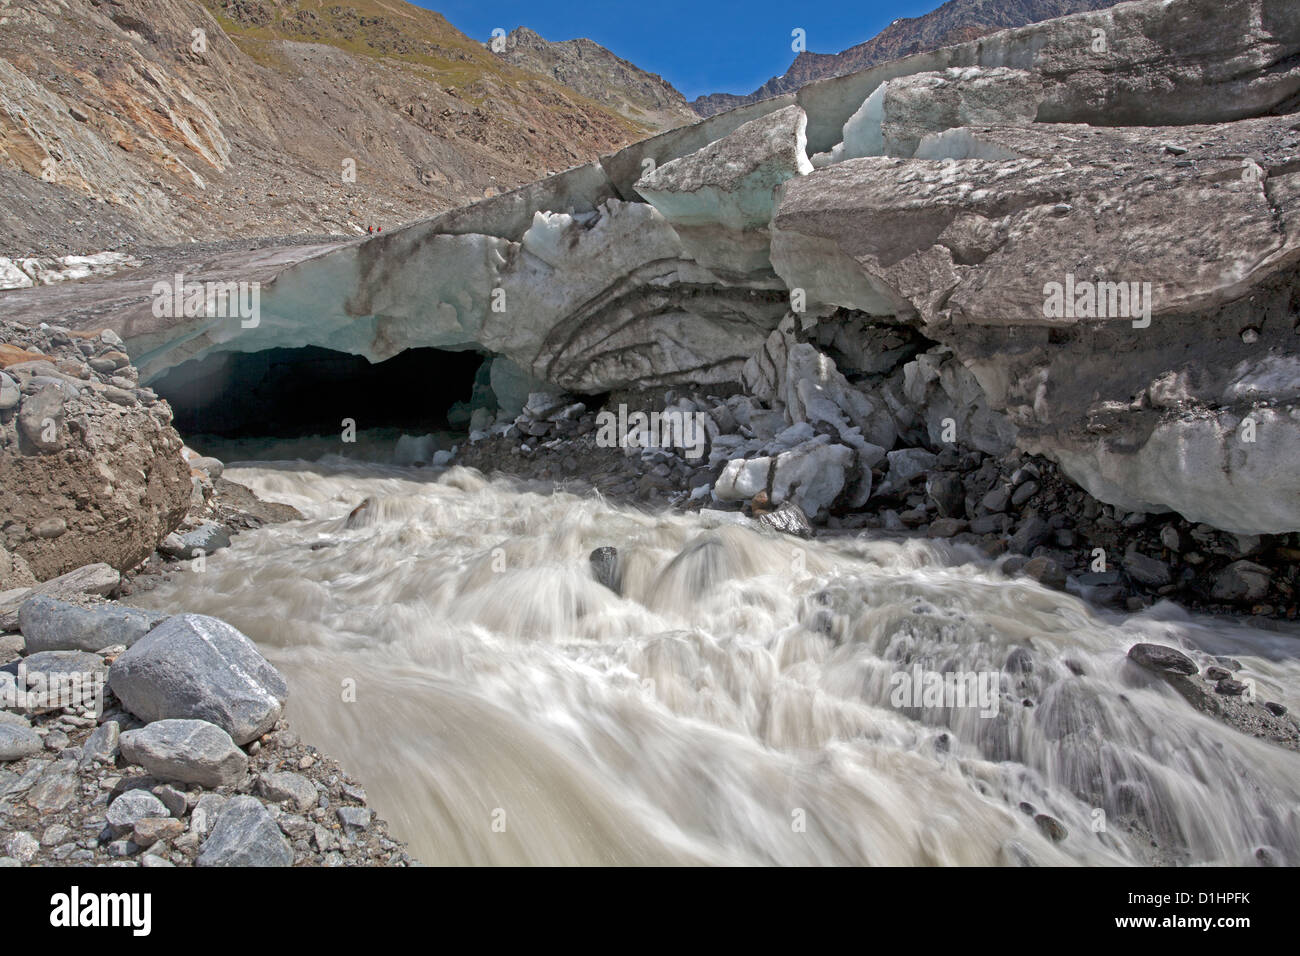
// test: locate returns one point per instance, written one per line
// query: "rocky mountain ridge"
(957, 21)
(161, 121)
(595, 72)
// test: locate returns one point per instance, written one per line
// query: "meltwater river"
(738, 704)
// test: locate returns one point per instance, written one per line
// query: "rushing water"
(734, 706)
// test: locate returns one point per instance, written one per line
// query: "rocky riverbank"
(166, 749)
(131, 738)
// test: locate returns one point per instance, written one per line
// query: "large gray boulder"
(198, 667)
(98, 579)
(186, 751)
(17, 742)
(48, 624)
(245, 834)
(131, 807)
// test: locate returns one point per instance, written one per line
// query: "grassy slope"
(420, 40)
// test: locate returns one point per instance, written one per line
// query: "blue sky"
(700, 46)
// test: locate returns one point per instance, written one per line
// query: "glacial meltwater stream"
(453, 650)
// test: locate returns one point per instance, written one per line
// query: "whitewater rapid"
(734, 706)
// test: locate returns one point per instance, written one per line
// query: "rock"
(1229, 687)
(991, 524)
(279, 787)
(908, 463)
(353, 818)
(742, 478)
(55, 790)
(91, 476)
(145, 833)
(245, 834)
(49, 624)
(131, 807)
(97, 579)
(40, 417)
(1046, 571)
(1146, 571)
(604, 567)
(1051, 827)
(205, 812)
(186, 751)
(9, 394)
(997, 499)
(212, 466)
(102, 745)
(17, 742)
(55, 834)
(1241, 582)
(206, 539)
(1032, 532)
(172, 799)
(59, 663)
(1174, 539)
(812, 475)
(947, 527)
(22, 846)
(1023, 493)
(192, 666)
(948, 494)
(1161, 659)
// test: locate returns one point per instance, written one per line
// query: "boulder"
(198, 667)
(205, 539)
(132, 806)
(186, 751)
(1241, 582)
(1161, 659)
(48, 624)
(17, 742)
(605, 569)
(1147, 571)
(295, 788)
(97, 579)
(84, 476)
(813, 475)
(245, 834)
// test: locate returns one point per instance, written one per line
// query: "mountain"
(957, 21)
(595, 72)
(160, 121)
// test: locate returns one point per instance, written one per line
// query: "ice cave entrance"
(290, 403)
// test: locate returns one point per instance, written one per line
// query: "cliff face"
(598, 74)
(159, 121)
(957, 21)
